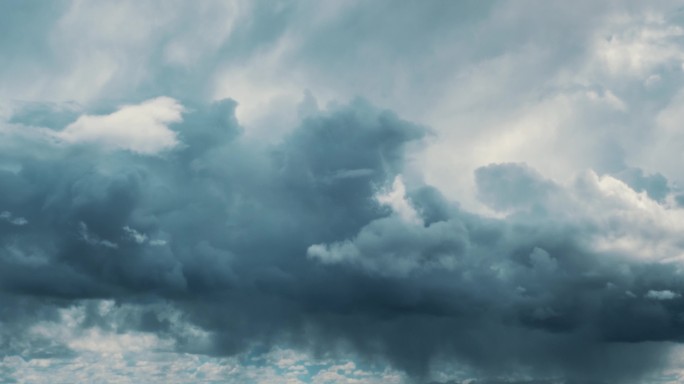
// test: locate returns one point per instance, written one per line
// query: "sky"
(342, 192)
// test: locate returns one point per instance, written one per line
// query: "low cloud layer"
(318, 243)
(341, 192)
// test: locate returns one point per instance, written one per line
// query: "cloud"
(661, 295)
(135, 235)
(433, 210)
(139, 128)
(541, 261)
(396, 199)
(94, 239)
(511, 186)
(251, 244)
(7, 216)
(89, 341)
(655, 185)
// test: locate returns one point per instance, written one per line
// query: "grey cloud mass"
(234, 223)
(341, 192)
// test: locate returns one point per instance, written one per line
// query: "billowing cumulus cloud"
(341, 192)
(255, 245)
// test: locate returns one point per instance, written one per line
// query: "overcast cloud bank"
(297, 192)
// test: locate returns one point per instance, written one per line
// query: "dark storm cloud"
(288, 245)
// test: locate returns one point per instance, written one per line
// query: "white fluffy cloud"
(141, 128)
